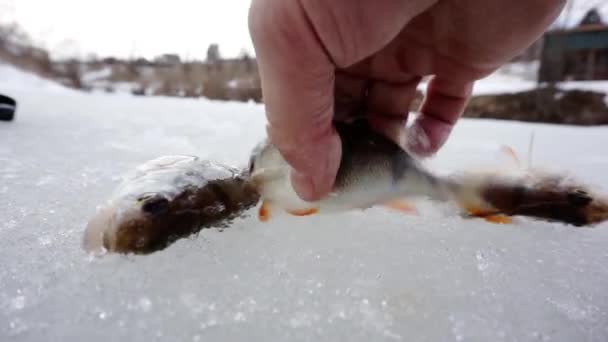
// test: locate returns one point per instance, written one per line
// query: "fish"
(375, 171)
(173, 197)
(166, 199)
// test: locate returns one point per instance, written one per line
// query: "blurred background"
(192, 49)
(178, 48)
(103, 86)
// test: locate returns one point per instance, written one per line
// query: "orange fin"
(490, 216)
(498, 219)
(303, 212)
(402, 206)
(478, 212)
(264, 211)
(508, 151)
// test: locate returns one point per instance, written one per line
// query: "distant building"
(142, 62)
(580, 53)
(167, 60)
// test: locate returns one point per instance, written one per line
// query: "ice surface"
(170, 175)
(362, 276)
(15, 79)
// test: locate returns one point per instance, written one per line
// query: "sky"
(147, 28)
(140, 28)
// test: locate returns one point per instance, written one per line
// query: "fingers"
(298, 45)
(443, 105)
(385, 105)
(352, 30)
(389, 106)
(297, 80)
(349, 96)
(392, 99)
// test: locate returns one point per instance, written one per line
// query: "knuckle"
(278, 26)
(335, 28)
(258, 20)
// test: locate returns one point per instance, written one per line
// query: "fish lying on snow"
(165, 199)
(376, 171)
(175, 196)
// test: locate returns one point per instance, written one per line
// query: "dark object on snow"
(167, 199)
(546, 105)
(7, 108)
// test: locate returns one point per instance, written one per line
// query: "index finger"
(443, 105)
(298, 83)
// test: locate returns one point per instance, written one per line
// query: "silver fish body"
(373, 170)
(174, 197)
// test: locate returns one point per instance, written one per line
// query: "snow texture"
(375, 275)
(170, 175)
(15, 79)
(518, 77)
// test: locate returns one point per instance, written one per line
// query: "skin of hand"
(320, 60)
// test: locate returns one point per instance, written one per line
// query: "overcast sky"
(133, 27)
(147, 28)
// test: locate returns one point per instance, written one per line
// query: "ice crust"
(375, 275)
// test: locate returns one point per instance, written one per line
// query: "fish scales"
(173, 197)
(376, 171)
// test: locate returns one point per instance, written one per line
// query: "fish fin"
(479, 212)
(401, 205)
(264, 211)
(489, 215)
(498, 219)
(510, 153)
(303, 212)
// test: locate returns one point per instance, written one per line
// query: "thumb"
(298, 88)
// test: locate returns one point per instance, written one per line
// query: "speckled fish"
(165, 199)
(375, 171)
(174, 197)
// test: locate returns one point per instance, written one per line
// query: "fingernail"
(321, 170)
(426, 141)
(416, 140)
(303, 186)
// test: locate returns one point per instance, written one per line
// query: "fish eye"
(155, 205)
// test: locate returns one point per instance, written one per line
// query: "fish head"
(166, 199)
(139, 226)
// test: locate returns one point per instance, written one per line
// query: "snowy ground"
(522, 77)
(362, 276)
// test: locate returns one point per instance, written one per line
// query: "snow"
(15, 79)
(516, 77)
(95, 75)
(360, 276)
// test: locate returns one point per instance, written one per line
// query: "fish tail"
(549, 198)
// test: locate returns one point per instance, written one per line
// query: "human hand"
(317, 58)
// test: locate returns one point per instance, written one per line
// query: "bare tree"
(213, 53)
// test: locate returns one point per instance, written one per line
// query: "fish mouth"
(99, 231)
(256, 180)
(261, 177)
(102, 233)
